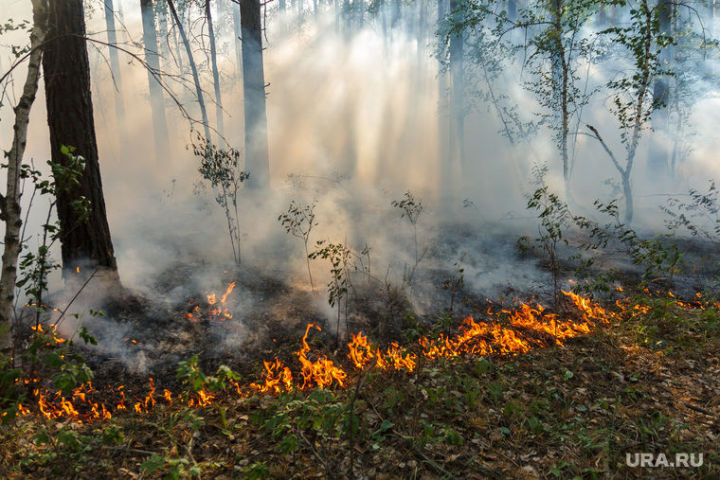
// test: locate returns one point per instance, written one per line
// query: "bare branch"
(607, 150)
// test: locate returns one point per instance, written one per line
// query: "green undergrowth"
(647, 383)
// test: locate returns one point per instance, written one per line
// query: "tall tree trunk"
(121, 15)
(237, 29)
(114, 60)
(421, 31)
(157, 104)
(347, 17)
(216, 74)
(457, 77)
(638, 121)
(10, 202)
(193, 68)
(561, 82)
(162, 31)
(178, 51)
(512, 9)
(85, 242)
(395, 16)
(445, 165)
(627, 193)
(257, 161)
(658, 153)
(336, 9)
(382, 12)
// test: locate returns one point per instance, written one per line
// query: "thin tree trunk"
(512, 9)
(420, 32)
(639, 109)
(658, 161)
(163, 37)
(457, 77)
(382, 11)
(336, 9)
(114, 60)
(257, 161)
(157, 104)
(237, 29)
(627, 193)
(121, 15)
(178, 50)
(395, 16)
(10, 203)
(347, 16)
(193, 67)
(560, 77)
(216, 74)
(444, 164)
(86, 241)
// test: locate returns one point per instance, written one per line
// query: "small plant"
(36, 266)
(364, 263)
(195, 380)
(659, 256)
(700, 215)
(316, 421)
(455, 284)
(411, 209)
(299, 221)
(45, 352)
(338, 287)
(554, 219)
(221, 168)
(173, 468)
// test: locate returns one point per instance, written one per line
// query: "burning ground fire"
(216, 310)
(506, 332)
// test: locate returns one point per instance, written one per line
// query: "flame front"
(511, 332)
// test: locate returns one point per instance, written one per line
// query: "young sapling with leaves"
(338, 287)
(411, 209)
(221, 168)
(299, 221)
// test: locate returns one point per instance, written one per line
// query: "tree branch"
(607, 150)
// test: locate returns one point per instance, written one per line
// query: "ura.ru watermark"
(660, 460)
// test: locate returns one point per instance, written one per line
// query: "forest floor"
(647, 382)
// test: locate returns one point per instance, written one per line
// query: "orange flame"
(518, 331)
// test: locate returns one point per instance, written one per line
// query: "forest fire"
(511, 332)
(506, 332)
(337, 242)
(217, 310)
(395, 358)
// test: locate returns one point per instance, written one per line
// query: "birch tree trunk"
(162, 32)
(152, 58)
(445, 165)
(457, 78)
(237, 32)
(216, 74)
(114, 60)
(658, 154)
(193, 68)
(10, 202)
